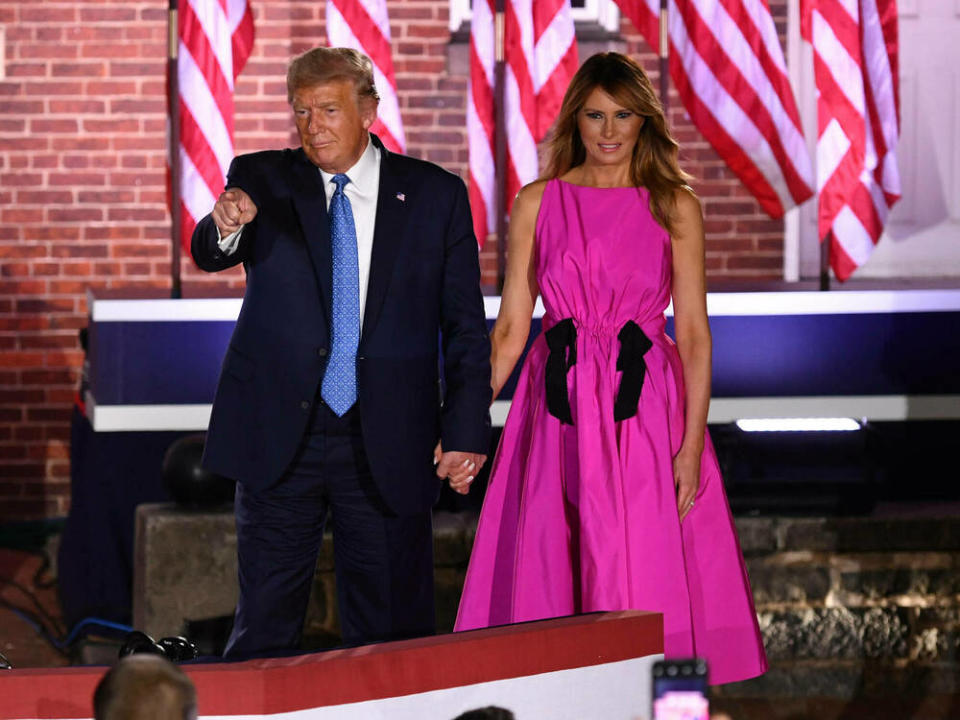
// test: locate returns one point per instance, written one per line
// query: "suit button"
(304, 405)
(322, 352)
(361, 358)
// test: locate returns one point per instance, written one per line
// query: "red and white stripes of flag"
(215, 38)
(855, 50)
(728, 67)
(364, 25)
(540, 56)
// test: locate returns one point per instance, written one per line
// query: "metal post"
(664, 61)
(500, 143)
(825, 247)
(173, 116)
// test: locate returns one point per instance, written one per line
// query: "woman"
(605, 493)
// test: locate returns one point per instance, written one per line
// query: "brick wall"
(82, 186)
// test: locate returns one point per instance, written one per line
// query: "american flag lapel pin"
(401, 197)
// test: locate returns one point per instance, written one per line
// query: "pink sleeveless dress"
(583, 517)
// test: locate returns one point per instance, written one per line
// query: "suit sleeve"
(465, 424)
(204, 245)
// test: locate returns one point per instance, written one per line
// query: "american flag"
(480, 121)
(728, 67)
(363, 25)
(855, 67)
(540, 53)
(215, 38)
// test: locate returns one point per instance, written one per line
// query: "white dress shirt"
(362, 192)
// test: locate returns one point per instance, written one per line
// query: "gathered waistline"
(652, 328)
(561, 338)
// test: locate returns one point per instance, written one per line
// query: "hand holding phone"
(680, 690)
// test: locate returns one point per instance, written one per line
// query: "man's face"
(333, 123)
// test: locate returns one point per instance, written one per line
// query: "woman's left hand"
(686, 476)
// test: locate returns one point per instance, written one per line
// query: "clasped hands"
(459, 467)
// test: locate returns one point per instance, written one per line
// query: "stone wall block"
(185, 567)
(448, 583)
(871, 534)
(775, 582)
(450, 548)
(757, 535)
(838, 632)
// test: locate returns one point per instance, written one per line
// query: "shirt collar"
(364, 172)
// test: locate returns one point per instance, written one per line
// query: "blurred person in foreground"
(606, 493)
(361, 267)
(145, 687)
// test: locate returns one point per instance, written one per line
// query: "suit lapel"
(309, 199)
(387, 234)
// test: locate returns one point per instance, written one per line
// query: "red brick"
(21, 179)
(54, 341)
(118, 250)
(13, 270)
(119, 68)
(20, 397)
(21, 359)
(22, 251)
(32, 305)
(23, 144)
(21, 215)
(95, 144)
(43, 197)
(54, 15)
(74, 215)
(137, 106)
(106, 197)
(26, 70)
(105, 14)
(122, 125)
(48, 377)
(101, 88)
(87, 251)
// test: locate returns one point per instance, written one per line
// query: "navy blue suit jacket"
(423, 295)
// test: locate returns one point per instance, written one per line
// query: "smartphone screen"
(680, 690)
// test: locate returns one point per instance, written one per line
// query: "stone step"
(894, 633)
(763, 535)
(855, 579)
(847, 679)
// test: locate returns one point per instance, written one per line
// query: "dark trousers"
(383, 562)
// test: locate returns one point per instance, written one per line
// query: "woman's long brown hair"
(654, 164)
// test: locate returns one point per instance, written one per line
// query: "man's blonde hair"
(322, 65)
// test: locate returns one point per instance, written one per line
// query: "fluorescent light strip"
(810, 424)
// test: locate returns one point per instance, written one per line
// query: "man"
(145, 687)
(361, 266)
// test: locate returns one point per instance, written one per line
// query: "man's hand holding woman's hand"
(460, 467)
(232, 211)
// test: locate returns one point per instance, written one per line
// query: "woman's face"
(609, 131)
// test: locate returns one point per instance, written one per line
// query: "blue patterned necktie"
(339, 389)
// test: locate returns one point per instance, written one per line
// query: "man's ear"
(368, 111)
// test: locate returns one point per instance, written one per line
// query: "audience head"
(145, 687)
(491, 712)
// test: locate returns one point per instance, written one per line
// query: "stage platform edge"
(586, 666)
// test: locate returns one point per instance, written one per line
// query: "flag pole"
(173, 117)
(500, 142)
(664, 61)
(825, 247)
